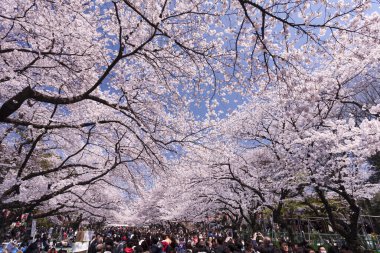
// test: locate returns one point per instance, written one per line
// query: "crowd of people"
(146, 240)
(37, 244)
(126, 241)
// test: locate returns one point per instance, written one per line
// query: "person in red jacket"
(129, 248)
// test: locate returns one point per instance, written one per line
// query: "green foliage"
(45, 162)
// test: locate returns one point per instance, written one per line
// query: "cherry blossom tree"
(310, 135)
(102, 94)
(95, 87)
(317, 135)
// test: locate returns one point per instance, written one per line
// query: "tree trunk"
(348, 230)
(3, 228)
(76, 224)
(355, 244)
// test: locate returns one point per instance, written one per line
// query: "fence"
(369, 241)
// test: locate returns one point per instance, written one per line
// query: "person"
(284, 247)
(201, 247)
(117, 241)
(129, 248)
(322, 249)
(194, 241)
(189, 246)
(209, 245)
(309, 249)
(11, 246)
(109, 243)
(52, 250)
(181, 247)
(122, 244)
(167, 239)
(144, 246)
(219, 247)
(24, 245)
(154, 247)
(249, 248)
(138, 249)
(33, 247)
(345, 249)
(265, 247)
(333, 249)
(99, 245)
(45, 243)
(165, 245)
(296, 248)
(93, 243)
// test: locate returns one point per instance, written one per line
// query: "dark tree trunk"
(348, 230)
(3, 228)
(76, 224)
(355, 244)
